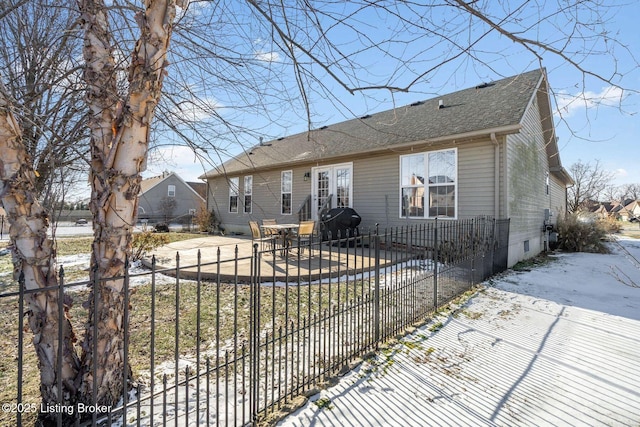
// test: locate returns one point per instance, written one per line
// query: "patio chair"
(258, 237)
(304, 235)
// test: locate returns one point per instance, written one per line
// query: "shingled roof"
(495, 106)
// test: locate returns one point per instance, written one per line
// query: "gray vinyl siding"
(527, 198)
(376, 190)
(558, 192)
(476, 180)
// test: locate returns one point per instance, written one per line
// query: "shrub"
(611, 225)
(207, 221)
(145, 242)
(576, 235)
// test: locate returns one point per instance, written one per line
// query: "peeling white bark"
(120, 141)
(34, 257)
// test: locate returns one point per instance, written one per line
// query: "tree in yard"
(34, 261)
(119, 135)
(40, 67)
(231, 58)
(591, 181)
(167, 205)
(119, 129)
(630, 191)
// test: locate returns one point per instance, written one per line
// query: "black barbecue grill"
(339, 223)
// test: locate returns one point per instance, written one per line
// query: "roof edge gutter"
(564, 174)
(502, 130)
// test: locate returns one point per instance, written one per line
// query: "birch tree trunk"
(34, 258)
(119, 144)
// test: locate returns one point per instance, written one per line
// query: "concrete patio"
(235, 256)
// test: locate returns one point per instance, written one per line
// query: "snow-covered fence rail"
(240, 339)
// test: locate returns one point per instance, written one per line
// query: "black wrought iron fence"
(240, 338)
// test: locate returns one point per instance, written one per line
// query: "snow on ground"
(557, 345)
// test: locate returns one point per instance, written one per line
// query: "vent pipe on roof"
(264, 144)
(440, 104)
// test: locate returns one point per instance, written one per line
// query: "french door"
(332, 187)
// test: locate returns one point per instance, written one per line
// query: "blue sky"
(595, 121)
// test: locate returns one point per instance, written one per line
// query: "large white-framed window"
(233, 194)
(429, 184)
(171, 191)
(248, 192)
(286, 192)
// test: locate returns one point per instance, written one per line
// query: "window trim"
(247, 185)
(234, 191)
(282, 192)
(426, 186)
(169, 188)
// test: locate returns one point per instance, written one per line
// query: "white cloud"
(267, 56)
(621, 173)
(196, 109)
(193, 8)
(567, 104)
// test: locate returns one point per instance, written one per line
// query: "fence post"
(60, 346)
(20, 341)
(254, 341)
(494, 245)
(376, 289)
(474, 251)
(435, 264)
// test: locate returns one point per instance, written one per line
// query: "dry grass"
(9, 322)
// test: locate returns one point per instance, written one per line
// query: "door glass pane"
(322, 182)
(343, 187)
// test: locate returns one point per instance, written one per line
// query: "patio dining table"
(284, 230)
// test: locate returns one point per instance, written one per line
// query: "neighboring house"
(618, 210)
(168, 198)
(602, 212)
(630, 211)
(488, 150)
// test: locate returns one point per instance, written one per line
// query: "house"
(630, 211)
(602, 211)
(168, 198)
(487, 150)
